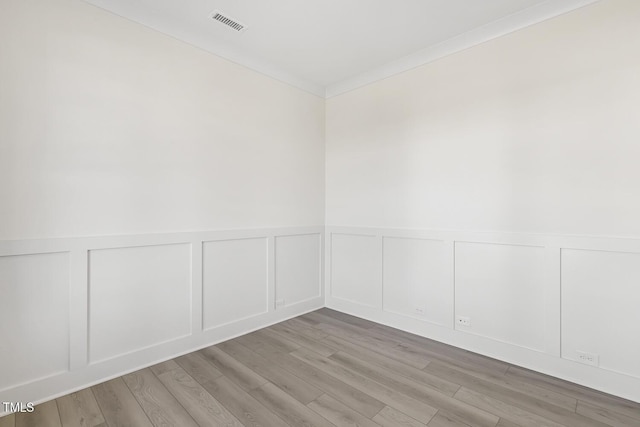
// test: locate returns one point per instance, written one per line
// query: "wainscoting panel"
(356, 268)
(298, 267)
(531, 300)
(61, 298)
(235, 282)
(34, 322)
(78, 311)
(138, 297)
(501, 290)
(415, 281)
(601, 308)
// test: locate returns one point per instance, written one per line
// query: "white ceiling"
(331, 46)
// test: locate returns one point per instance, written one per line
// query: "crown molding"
(266, 69)
(210, 46)
(501, 27)
(514, 22)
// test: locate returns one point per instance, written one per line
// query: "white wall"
(500, 185)
(533, 132)
(108, 127)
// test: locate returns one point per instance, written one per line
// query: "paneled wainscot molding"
(75, 312)
(537, 301)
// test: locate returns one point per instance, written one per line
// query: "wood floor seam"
(176, 399)
(99, 408)
(58, 407)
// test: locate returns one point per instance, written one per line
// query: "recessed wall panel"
(235, 282)
(356, 269)
(298, 263)
(138, 297)
(34, 317)
(414, 279)
(600, 308)
(500, 288)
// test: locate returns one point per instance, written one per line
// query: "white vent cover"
(228, 21)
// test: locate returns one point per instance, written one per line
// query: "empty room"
(329, 213)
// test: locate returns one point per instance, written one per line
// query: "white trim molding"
(509, 24)
(532, 300)
(80, 311)
(526, 296)
(514, 22)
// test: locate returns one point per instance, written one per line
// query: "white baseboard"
(79, 311)
(63, 384)
(532, 300)
(609, 382)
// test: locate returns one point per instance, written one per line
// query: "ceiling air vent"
(228, 21)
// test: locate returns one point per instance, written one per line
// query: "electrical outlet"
(588, 358)
(279, 303)
(463, 321)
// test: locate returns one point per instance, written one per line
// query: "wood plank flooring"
(329, 369)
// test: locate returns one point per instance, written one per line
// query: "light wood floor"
(330, 369)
